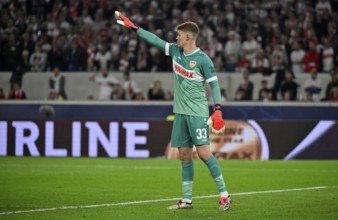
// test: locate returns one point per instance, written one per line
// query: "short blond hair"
(190, 27)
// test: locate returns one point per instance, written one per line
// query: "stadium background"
(69, 35)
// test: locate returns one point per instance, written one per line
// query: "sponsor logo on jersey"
(192, 63)
(183, 72)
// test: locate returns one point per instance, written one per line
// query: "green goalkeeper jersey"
(191, 71)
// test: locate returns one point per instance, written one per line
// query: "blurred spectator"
(87, 19)
(38, 60)
(232, 51)
(218, 62)
(277, 58)
(129, 86)
(106, 83)
(124, 61)
(331, 31)
(245, 88)
(327, 56)
(250, 46)
(53, 95)
(311, 58)
(57, 83)
(115, 49)
(52, 26)
(10, 52)
(132, 45)
(224, 96)
(332, 84)
(21, 23)
(323, 6)
(118, 93)
(103, 58)
(2, 94)
(156, 92)
(286, 47)
(289, 88)
(91, 51)
(75, 57)
(296, 57)
(169, 95)
(313, 86)
(334, 95)
(27, 45)
(265, 93)
(16, 92)
(260, 64)
(24, 62)
(279, 78)
(17, 75)
(215, 47)
(55, 58)
(99, 21)
(143, 57)
(309, 36)
(242, 63)
(138, 95)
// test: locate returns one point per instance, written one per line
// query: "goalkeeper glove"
(216, 122)
(125, 21)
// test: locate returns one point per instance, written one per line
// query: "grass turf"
(65, 183)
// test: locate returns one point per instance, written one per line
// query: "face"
(16, 86)
(182, 38)
(288, 76)
(56, 71)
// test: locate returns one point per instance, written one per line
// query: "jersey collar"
(198, 49)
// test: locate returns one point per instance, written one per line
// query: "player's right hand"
(125, 21)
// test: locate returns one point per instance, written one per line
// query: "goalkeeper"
(191, 68)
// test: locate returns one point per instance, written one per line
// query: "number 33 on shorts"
(201, 133)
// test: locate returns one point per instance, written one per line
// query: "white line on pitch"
(87, 166)
(117, 167)
(157, 200)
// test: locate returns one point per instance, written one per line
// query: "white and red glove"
(125, 21)
(216, 122)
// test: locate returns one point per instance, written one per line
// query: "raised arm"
(145, 35)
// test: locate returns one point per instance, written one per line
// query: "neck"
(189, 48)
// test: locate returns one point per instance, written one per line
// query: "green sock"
(187, 179)
(216, 173)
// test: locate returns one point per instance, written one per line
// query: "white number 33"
(201, 133)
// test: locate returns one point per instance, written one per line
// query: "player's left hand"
(125, 21)
(216, 122)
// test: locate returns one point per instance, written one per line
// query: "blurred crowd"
(268, 36)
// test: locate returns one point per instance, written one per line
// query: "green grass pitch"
(102, 188)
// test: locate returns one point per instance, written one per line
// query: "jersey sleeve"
(209, 73)
(153, 39)
(215, 91)
(208, 70)
(171, 49)
(168, 48)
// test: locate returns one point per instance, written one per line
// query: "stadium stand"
(78, 36)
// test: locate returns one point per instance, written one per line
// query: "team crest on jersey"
(192, 63)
